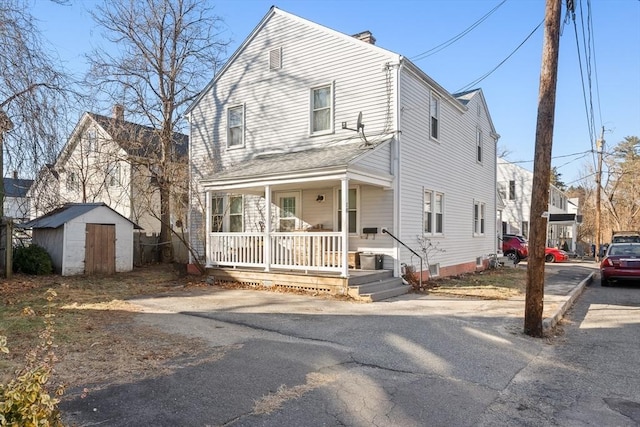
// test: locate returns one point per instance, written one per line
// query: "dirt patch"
(501, 284)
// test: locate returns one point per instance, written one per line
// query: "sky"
(604, 79)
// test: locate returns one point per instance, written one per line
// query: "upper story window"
(235, 126)
(502, 190)
(113, 174)
(322, 109)
(434, 110)
(72, 181)
(92, 141)
(479, 145)
(512, 190)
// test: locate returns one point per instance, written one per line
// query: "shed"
(85, 238)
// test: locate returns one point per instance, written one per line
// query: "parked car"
(621, 262)
(555, 255)
(515, 247)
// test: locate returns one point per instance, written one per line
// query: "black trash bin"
(369, 261)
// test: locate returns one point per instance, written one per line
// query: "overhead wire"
(454, 39)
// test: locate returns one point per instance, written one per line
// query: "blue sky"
(412, 27)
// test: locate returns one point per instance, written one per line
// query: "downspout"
(396, 172)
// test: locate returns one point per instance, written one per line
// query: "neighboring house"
(515, 186)
(16, 203)
(85, 238)
(310, 144)
(110, 160)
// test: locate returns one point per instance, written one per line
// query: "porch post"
(266, 239)
(345, 227)
(207, 228)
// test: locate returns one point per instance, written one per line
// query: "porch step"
(378, 290)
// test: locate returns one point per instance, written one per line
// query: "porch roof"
(327, 162)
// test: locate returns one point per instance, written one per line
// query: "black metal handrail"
(384, 230)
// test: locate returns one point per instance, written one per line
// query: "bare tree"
(165, 52)
(32, 94)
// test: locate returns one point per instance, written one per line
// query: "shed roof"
(66, 213)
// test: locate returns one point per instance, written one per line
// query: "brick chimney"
(118, 112)
(366, 37)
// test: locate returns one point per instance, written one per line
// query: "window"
(428, 213)
(479, 145)
(236, 216)
(502, 190)
(72, 181)
(235, 126)
(435, 117)
(433, 212)
(352, 210)
(275, 58)
(217, 213)
(227, 217)
(113, 174)
(321, 109)
(525, 229)
(478, 218)
(92, 141)
(512, 190)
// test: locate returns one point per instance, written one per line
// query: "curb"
(549, 323)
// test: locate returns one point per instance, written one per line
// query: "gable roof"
(15, 187)
(138, 140)
(66, 213)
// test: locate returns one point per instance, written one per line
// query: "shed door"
(100, 249)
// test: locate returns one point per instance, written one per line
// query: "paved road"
(292, 360)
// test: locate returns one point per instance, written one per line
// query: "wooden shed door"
(100, 249)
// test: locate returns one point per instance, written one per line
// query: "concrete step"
(379, 290)
(370, 276)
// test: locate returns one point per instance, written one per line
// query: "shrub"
(32, 259)
(25, 400)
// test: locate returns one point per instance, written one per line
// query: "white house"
(85, 238)
(108, 160)
(311, 146)
(514, 186)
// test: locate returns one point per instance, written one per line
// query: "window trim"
(242, 126)
(312, 110)
(479, 218)
(479, 146)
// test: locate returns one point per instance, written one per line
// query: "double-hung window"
(352, 210)
(478, 218)
(479, 145)
(235, 126)
(322, 109)
(434, 111)
(227, 213)
(433, 212)
(512, 190)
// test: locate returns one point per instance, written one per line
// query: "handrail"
(384, 230)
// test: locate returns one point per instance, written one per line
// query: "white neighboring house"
(108, 160)
(514, 187)
(309, 143)
(16, 203)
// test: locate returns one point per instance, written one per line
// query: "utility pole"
(542, 170)
(599, 146)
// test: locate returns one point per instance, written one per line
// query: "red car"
(555, 255)
(621, 262)
(515, 247)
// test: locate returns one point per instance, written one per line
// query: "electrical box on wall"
(370, 230)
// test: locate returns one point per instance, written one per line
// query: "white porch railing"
(297, 250)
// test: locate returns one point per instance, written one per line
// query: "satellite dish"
(359, 124)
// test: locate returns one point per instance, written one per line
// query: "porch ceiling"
(301, 169)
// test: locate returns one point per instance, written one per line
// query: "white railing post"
(344, 256)
(266, 238)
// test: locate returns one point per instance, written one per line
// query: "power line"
(484, 76)
(454, 39)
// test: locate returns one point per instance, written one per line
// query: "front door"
(100, 249)
(288, 211)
